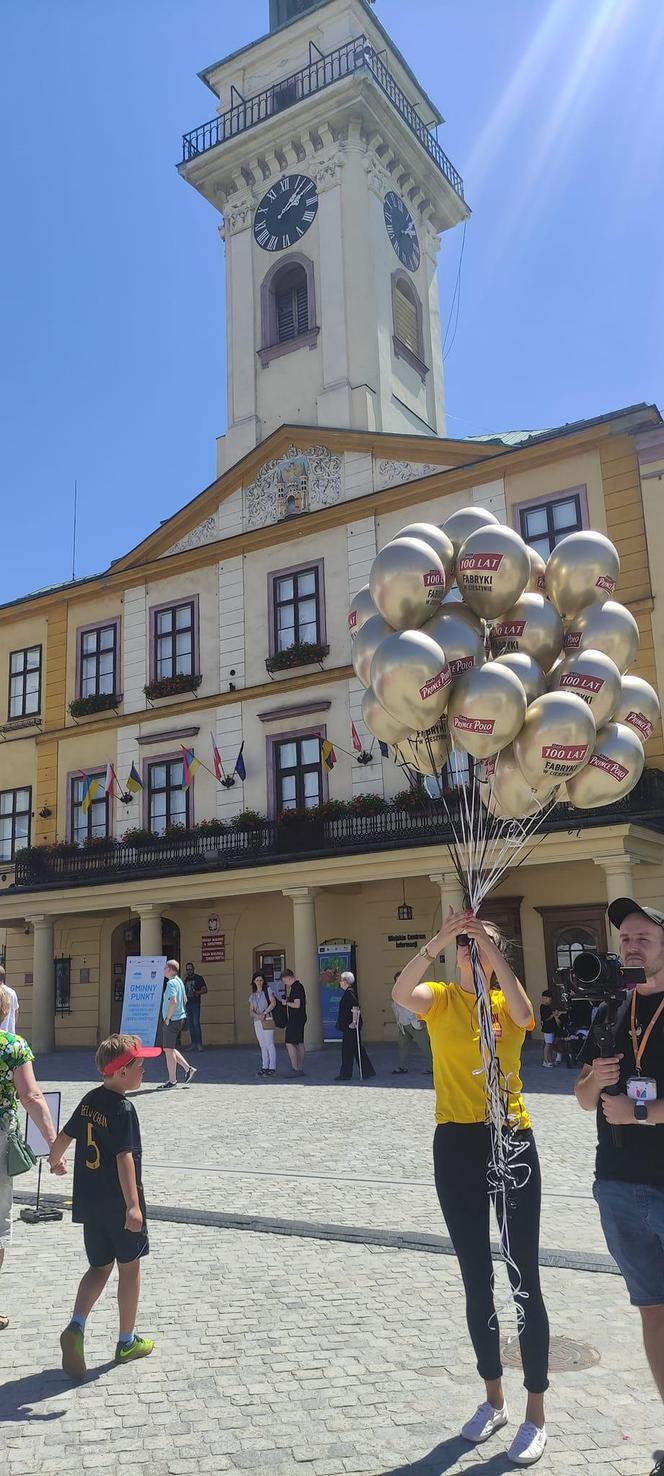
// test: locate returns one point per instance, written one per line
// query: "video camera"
(598, 976)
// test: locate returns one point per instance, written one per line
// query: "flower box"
(172, 686)
(98, 702)
(303, 653)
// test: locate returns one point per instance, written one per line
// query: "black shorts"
(295, 1028)
(171, 1033)
(107, 1240)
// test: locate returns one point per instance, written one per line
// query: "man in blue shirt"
(174, 1016)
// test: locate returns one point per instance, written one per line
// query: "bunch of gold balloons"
(464, 638)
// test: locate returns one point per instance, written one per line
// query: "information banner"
(144, 986)
(213, 948)
(332, 963)
(33, 1136)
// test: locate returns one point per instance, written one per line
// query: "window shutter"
(405, 320)
(286, 326)
(302, 307)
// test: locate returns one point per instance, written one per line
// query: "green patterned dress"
(14, 1052)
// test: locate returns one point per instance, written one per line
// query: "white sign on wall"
(144, 983)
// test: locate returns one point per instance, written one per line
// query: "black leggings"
(460, 1153)
(349, 1055)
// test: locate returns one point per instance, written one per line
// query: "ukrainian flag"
(90, 787)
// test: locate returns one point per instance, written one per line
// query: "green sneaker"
(73, 1356)
(138, 1349)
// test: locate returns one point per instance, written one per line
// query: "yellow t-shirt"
(452, 1023)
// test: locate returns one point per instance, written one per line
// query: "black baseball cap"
(623, 906)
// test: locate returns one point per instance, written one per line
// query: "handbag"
(20, 1156)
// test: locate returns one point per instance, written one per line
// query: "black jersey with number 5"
(104, 1124)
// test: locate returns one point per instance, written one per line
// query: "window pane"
(306, 582)
(178, 807)
(106, 663)
(32, 702)
(17, 661)
(535, 521)
(106, 683)
(7, 802)
(34, 655)
(285, 616)
(311, 785)
(183, 664)
(183, 643)
(288, 792)
(32, 681)
(565, 514)
(164, 663)
(89, 686)
(309, 633)
(310, 750)
(285, 589)
(88, 641)
(106, 638)
(183, 617)
(157, 821)
(5, 828)
(164, 621)
(157, 776)
(22, 799)
(287, 755)
(307, 612)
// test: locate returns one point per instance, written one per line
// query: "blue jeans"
(632, 1218)
(194, 1018)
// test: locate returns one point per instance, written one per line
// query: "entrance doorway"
(126, 941)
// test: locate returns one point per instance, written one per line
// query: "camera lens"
(462, 940)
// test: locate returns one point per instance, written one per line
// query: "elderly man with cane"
(349, 1022)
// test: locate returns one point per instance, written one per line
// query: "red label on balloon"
(637, 720)
(541, 583)
(508, 628)
(352, 620)
(605, 582)
(436, 684)
(572, 640)
(434, 579)
(581, 681)
(474, 725)
(567, 752)
(608, 766)
(486, 562)
(464, 663)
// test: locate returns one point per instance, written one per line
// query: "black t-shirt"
(104, 1124)
(347, 1004)
(547, 1020)
(296, 991)
(640, 1160)
(194, 986)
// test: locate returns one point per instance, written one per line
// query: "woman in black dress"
(295, 1001)
(349, 1022)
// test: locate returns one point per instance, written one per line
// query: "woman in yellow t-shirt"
(461, 1153)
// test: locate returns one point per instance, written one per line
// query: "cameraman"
(629, 1181)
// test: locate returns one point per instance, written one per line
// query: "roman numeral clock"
(286, 212)
(401, 230)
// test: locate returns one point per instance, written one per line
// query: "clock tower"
(324, 162)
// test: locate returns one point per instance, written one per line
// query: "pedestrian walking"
(195, 987)
(108, 1198)
(8, 1020)
(17, 1084)
(295, 1001)
(461, 1150)
(174, 1016)
(261, 1005)
(411, 1034)
(349, 1022)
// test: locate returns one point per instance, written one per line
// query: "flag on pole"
(383, 748)
(216, 759)
(111, 783)
(90, 787)
(328, 755)
(189, 766)
(357, 741)
(134, 782)
(240, 766)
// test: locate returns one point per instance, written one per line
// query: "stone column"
(305, 963)
(451, 895)
(619, 883)
(42, 1031)
(150, 916)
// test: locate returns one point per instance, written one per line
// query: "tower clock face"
(401, 230)
(286, 212)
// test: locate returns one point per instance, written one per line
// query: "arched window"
(288, 308)
(408, 338)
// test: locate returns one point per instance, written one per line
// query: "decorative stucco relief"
(324, 485)
(393, 473)
(206, 532)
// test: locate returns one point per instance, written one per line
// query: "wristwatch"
(641, 1111)
(424, 953)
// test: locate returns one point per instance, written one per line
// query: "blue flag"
(240, 768)
(384, 749)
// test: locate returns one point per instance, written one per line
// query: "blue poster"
(144, 984)
(332, 962)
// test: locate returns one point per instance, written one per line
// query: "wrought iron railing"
(354, 57)
(301, 839)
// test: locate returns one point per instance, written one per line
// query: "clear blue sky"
(112, 320)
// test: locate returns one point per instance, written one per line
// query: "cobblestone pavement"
(299, 1354)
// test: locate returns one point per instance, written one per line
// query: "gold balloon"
(556, 739)
(379, 722)
(454, 597)
(592, 676)
(461, 642)
(361, 608)
(366, 644)
(582, 570)
(505, 792)
(615, 766)
(465, 521)
(638, 707)
(493, 569)
(486, 709)
(426, 752)
(537, 582)
(528, 671)
(532, 625)
(610, 628)
(407, 583)
(411, 679)
(435, 538)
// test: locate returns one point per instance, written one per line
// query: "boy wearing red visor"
(108, 1198)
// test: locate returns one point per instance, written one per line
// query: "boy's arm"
(129, 1187)
(57, 1152)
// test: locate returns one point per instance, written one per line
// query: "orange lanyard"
(646, 1034)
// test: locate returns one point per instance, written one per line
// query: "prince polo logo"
(463, 663)
(562, 758)
(436, 684)
(473, 725)
(609, 766)
(571, 640)
(638, 721)
(605, 582)
(352, 620)
(479, 569)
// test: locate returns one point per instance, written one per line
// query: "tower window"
(405, 317)
(288, 308)
(408, 337)
(291, 300)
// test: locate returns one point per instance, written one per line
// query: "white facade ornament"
(393, 473)
(378, 177)
(326, 168)
(238, 212)
(264, 497)
(292, 486)
(205, 532)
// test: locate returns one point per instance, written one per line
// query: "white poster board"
(33, 1137)
(144, 983)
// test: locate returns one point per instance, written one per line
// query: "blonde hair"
(5, 1000)
(114, 1046)
(173, 963)
(3, 975)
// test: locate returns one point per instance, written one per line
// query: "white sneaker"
(528, 1444)
(484, 1423)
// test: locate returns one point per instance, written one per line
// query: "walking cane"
(359, 1047)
